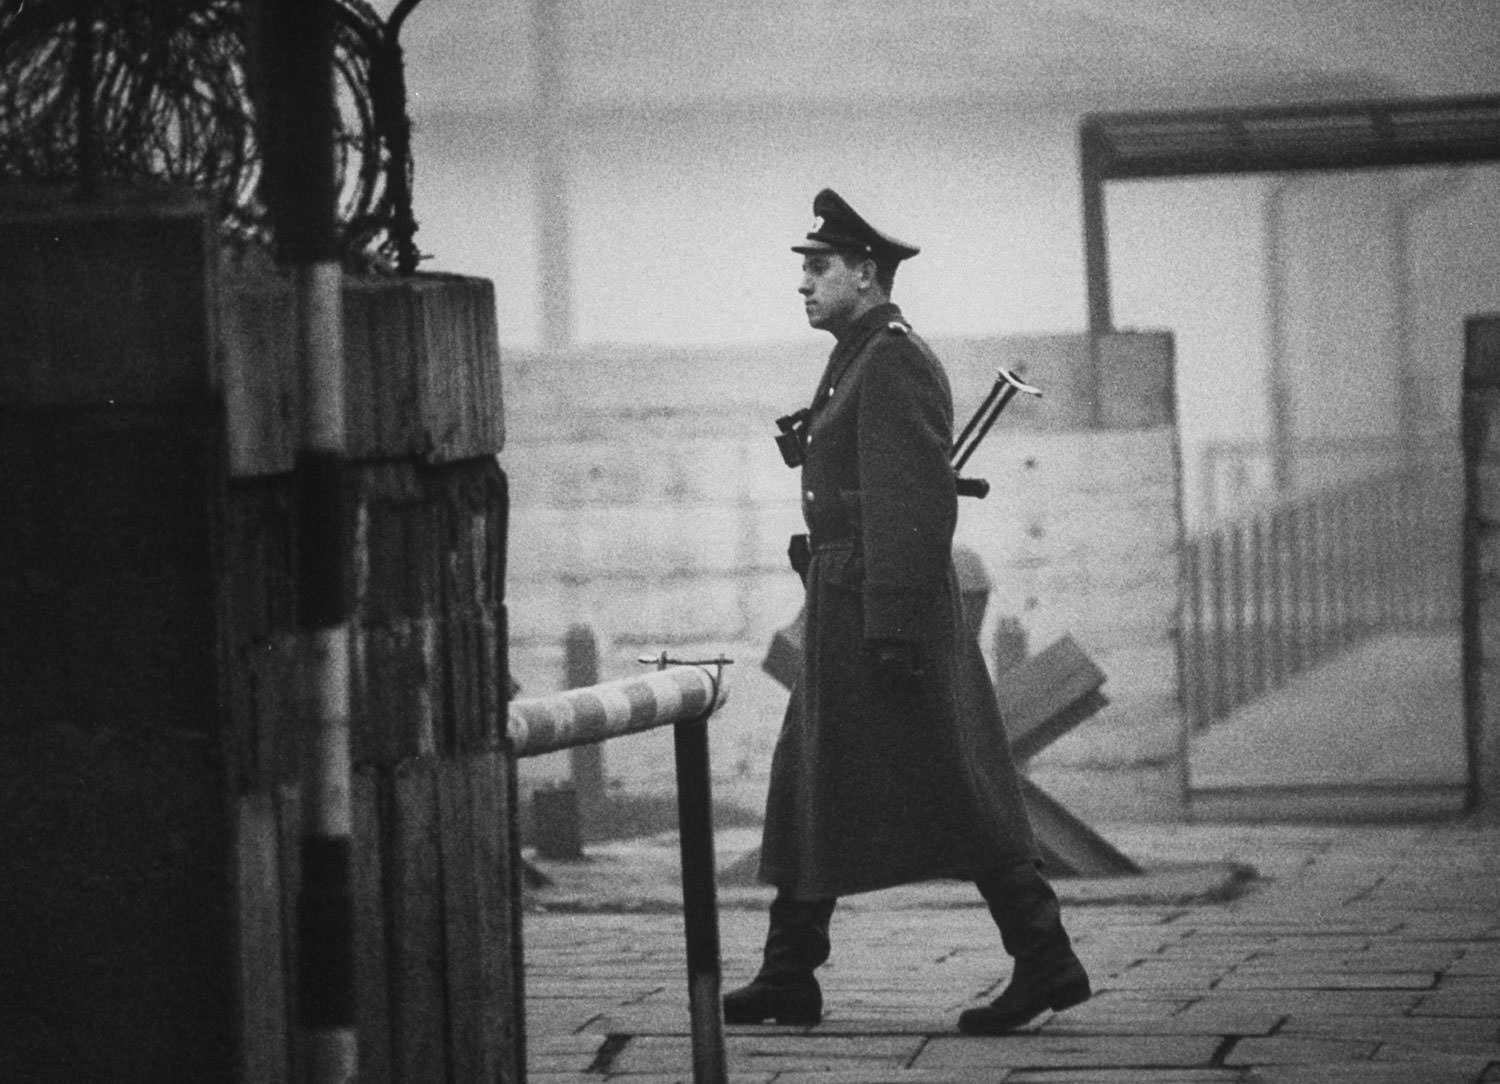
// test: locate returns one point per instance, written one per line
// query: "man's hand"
(898, 663)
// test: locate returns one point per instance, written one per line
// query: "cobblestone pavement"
(1356, 954)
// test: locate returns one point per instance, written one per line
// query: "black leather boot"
(785, 990)
(1047, 974)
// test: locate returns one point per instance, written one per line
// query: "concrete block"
(106, 304)
(422, 369)
(1482, 352)
(1136, 385)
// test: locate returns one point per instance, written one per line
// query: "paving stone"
(557, 1063)
(1132, 1076)
(1125, 1006)
(1296, 1050)
(1089, 1051)
(1360, 1073)
(1209, 1021)
(640, 1020)
(683, 1077)
(1348, 961)
(1375, 961)
(1484, 1004)
(897, 1076)
(889, 1023)
(657, 1054)
(1469, 1061)
(1327, 1002)
(1481, 958)
(1324, 980)
(1436, 1031)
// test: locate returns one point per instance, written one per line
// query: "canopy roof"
(1329, 136)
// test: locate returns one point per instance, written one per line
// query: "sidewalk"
(1374, 733)
(1282, 955)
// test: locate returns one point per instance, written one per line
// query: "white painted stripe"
(616, 707)
(629, 705)
(668, 690)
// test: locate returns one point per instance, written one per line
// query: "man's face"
(832, 290)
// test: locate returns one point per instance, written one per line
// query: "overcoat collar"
(847, 349)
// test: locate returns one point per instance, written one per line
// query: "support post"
(700, 905)
(552, 170)
(1481, 548)
(1095, 242)
(700, 902)
(298, 49)
(585, 762)
(684, 693)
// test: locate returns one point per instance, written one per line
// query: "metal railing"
(682, 695)
(1274, 593)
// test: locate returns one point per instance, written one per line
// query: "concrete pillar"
(149, 723)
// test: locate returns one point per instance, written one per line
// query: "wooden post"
(586, 762)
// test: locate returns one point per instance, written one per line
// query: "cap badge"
(817, 224)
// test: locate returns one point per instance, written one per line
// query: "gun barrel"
(1006, 385)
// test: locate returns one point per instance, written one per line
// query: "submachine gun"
(978, 427)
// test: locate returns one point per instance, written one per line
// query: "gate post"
(1481, 561)
(436, 878)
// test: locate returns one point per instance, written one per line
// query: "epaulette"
(899, 327)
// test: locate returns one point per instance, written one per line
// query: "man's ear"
(867, 274)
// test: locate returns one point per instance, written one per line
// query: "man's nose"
(806, 288)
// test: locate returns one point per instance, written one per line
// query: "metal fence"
(1276, 592)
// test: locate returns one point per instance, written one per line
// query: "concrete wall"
(114, 870)
(649, 502)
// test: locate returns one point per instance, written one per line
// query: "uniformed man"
(892, 766)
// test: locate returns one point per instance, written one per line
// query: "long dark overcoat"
(873, 786)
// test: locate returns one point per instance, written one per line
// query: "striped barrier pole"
(293, 59)
(683, 695)
(610, 710)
